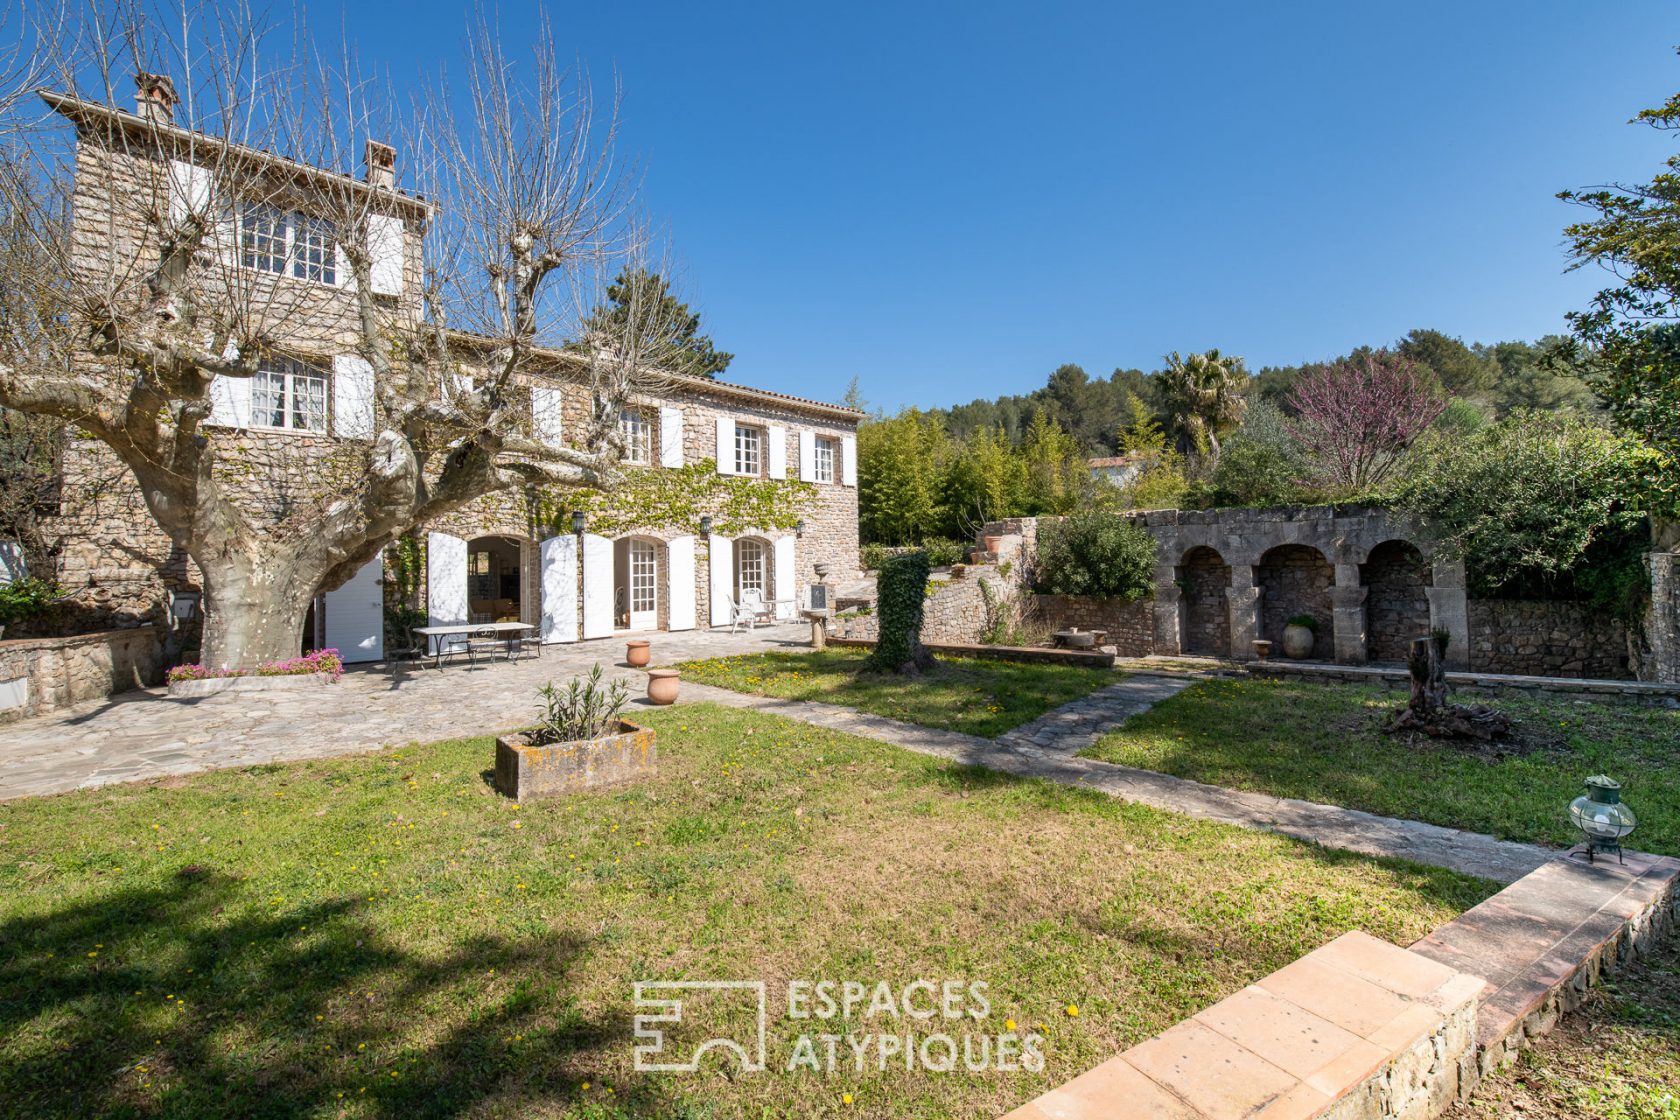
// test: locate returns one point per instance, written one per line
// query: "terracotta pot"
(992, 544)
(1262, 649)
(1297, 642)
(662, 686)
(637, 654)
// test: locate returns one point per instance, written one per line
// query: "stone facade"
(117, 564)
(40, 675)
(1546, 639)
(1225, 578)
(1129, 627)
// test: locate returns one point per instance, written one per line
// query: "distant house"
(1119, 470)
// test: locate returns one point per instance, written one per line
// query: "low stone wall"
(1130, 626)
(39, 675)
(1546, 639)
(1032, 655)
(956, 612)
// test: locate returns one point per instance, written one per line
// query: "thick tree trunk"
(254, 609)
(1429, 679)
(1428, 711)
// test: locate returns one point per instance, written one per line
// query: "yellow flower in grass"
(1072, 1010)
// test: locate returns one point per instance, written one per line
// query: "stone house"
(299, 431)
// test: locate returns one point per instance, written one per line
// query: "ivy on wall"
(899, 601)
(676, 498)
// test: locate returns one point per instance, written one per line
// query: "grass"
(1324, 742)
(974, 696)
(1616, 1058)
(383, 936)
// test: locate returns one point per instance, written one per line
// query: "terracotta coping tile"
(1493, 976)
(1336, 996)
(1290, 1037)
(1111, 1091)
(1389, 966)
(1209, 1071)
(1413, 1024)
(1300, 1103)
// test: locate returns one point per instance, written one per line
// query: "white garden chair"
(753, 600)
(739, 613)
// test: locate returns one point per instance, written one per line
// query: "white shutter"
(778, 451)
(559, 589)
(446, 582)
(189, 190)
(356, 614)
(385, 247)
(725, 445)
(679, 597)
(14, 567)
(807, 456)
(670, 437)
(848, 460)
(722, 554)
(230, 402)
(352, 396)
(597, 586)
(783, 578)
(545, 415)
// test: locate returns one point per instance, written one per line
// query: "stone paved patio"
(145, 734)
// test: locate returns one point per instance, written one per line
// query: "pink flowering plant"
(325, 661)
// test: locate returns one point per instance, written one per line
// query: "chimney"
(381, 165)
(154, 98)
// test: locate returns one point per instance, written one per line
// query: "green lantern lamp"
(1602, 818)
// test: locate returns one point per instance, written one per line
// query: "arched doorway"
(636, 584)
(1295, 579)
(1205, 577)
(495, 580)
(1397, 605)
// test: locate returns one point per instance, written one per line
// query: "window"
(638, 436)
(749, 566)
(822, 470)
(313, 255)
(263, 238)
(290, 395)
(271, 240)
(748, 443)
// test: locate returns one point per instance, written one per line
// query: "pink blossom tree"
(1357, 417)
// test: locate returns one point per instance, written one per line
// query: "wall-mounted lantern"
(1601, 817)
(577, 522)
(799, 528)
(706, 527)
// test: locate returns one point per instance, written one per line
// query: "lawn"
(383, 936)
(971, 695)
(1616, 1058)
(1324, 742)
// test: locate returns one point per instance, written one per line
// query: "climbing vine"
(677, 498)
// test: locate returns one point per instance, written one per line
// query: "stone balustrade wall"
(40, 675)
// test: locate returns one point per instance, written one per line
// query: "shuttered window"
(749, 446)
(823, 460)
(289, 395)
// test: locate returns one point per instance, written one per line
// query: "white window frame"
(750, 567)
(749, 450)
(638, 435)
(823, 453)
(287, 243)
(293, 376)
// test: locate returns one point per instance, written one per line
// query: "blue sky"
(949, 200)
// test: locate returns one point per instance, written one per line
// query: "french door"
(644, 587)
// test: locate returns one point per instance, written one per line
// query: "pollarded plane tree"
(212, 235)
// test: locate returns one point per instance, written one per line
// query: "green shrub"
(943, 552)
(1096, 554)
(1545, 507)
(898, 600)
(1306, 620)
(583, 710)
(26, 599)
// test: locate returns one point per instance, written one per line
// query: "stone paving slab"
(1075, 726)
(145, 734)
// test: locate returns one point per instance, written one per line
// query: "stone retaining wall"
(1130, 626)
(1546, 639)
(39, 675)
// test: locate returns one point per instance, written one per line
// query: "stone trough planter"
(524, 771)
(210, 686)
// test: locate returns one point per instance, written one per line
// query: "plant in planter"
(581, 741)
(1299, 632)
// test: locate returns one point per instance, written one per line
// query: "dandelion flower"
(1072, 1011)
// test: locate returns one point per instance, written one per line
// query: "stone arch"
(1296, 579)
(1397, 577)
(1205, 577)
(754, 565)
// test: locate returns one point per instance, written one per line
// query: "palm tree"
(1205, 394)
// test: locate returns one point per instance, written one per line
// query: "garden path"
(1047, 748)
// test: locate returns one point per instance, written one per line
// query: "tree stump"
(1428, 710)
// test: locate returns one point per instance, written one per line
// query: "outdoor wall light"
(183, 605)
(577, 522)
(1601, 817)
(706, 527)
(799, 528)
